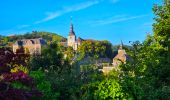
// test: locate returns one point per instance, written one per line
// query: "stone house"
(120, 58)
(31, 46)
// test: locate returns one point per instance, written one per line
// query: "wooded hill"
(48, 36)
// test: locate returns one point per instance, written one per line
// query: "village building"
(72, 40)
(34, 46)
(120, 58)
(31, 46)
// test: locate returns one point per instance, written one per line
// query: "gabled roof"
(79, 39)
(20, 43)
(30, 41)
(122, 56)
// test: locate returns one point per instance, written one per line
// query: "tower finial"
(70, 19)
(71, 24)
(71, 27)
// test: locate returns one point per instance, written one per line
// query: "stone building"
(121, 57)
(72, 40)
(31, 46)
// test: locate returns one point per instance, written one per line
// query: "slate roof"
(79, 40)
(30, 41)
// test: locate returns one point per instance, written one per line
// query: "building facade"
(72, 40)
(121, 57)
(31, 46)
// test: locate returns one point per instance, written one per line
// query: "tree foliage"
(51, 58)
(95, 49)
(15, 85)
(148, 76)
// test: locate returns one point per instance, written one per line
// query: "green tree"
(109, 89)
(148, 76)
(50, 59)
(69, 53)
(43, 85)
(95, 49)
(161, 29)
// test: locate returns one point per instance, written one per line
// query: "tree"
(147, 77)
(161, 29)
(50, 59)
(109, 89)
(103, 87)
(69, 53)
(95, 49)
(43, 85)
(14, 85)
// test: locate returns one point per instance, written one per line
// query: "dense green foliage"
(44, 85)
(51, 58)
(96, 49)
(15, 84)
(148, 77)
(69, 52)
(109, 89)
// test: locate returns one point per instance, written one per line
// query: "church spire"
(121, 45)
(71, 28)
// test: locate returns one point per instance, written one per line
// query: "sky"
(112, 20)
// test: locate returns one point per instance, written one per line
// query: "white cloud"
(22, 26)
(80, 6)
(53, 15)
(116, 19)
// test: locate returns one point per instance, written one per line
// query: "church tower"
(121, 50)
(71, 37)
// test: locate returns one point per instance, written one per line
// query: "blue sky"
(113, 20)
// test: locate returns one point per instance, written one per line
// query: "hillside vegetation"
(48, 36)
